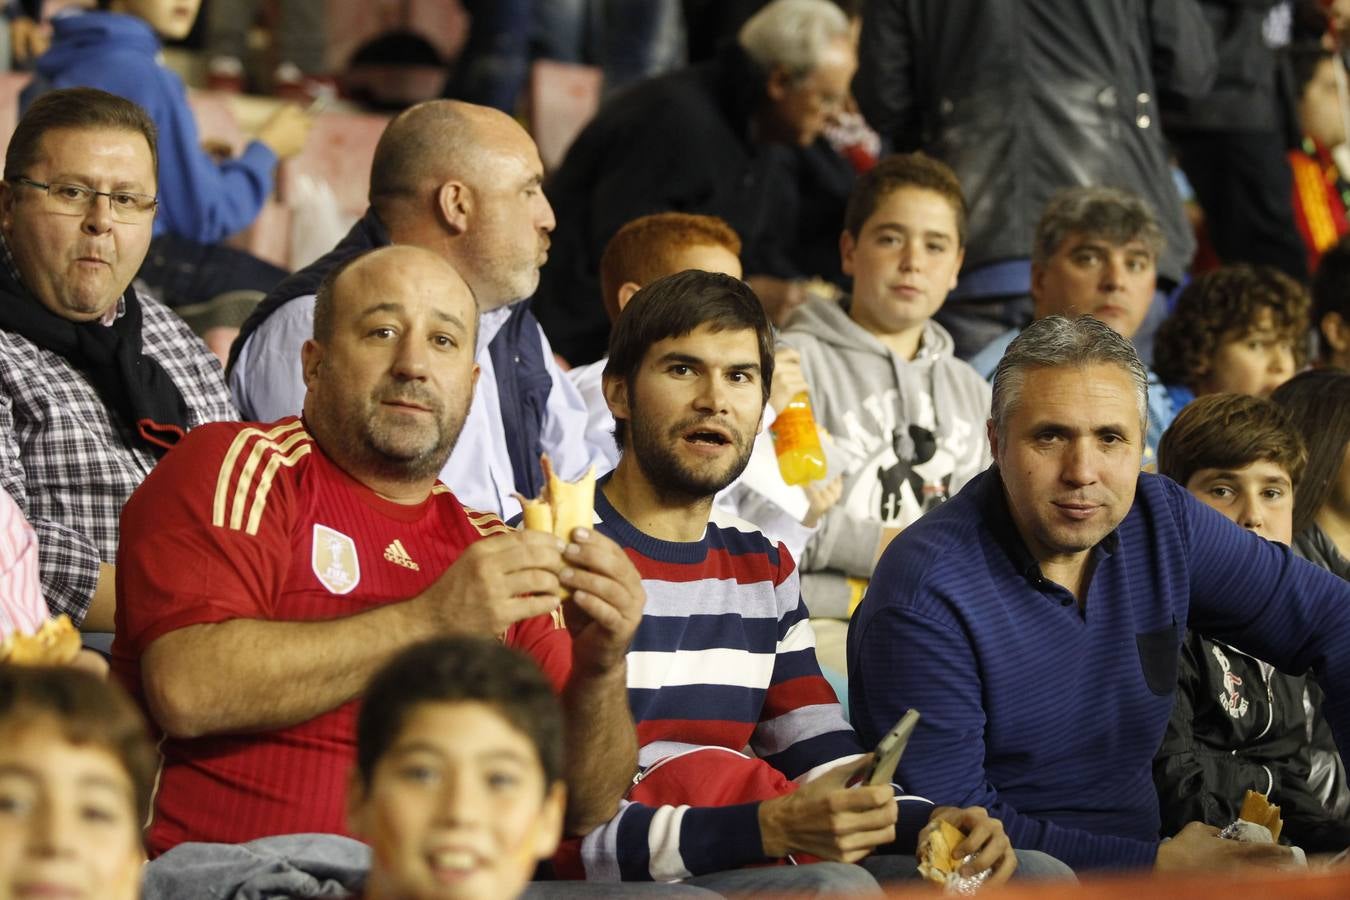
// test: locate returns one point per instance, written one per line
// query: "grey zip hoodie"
(908, 435)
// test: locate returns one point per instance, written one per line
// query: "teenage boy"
(459, 772)
(724, 659)
(1238, 724)
(1238, 329)
(906, 415)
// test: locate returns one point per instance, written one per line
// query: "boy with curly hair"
(1238, 329)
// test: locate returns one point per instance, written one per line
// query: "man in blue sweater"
(1035, 619)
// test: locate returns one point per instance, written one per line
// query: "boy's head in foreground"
(458, 781)
(76, 773)
(1241, 455)
(1239, 329)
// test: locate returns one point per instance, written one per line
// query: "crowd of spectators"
(1059, 291)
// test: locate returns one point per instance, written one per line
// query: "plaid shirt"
(70, 465)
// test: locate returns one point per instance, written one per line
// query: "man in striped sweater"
(724, 659)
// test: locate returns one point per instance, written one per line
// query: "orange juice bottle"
(797, 443)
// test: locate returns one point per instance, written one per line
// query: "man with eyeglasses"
(96, 381)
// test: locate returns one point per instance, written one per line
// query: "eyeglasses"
(76, 200)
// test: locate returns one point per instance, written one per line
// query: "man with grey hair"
(1035, 619)
(1096, 253)
(723, 138)
(463, 181)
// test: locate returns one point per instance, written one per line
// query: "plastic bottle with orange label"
(797, 442)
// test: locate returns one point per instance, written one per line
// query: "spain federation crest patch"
(334, 560)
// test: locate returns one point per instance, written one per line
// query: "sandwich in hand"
(562, 505)
(938, 861)
(1258, 810)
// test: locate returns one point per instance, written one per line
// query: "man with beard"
(464, 182)
(271, 569)
(724, 658)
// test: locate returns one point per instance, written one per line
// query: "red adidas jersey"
(253, 521)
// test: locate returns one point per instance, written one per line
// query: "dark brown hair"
(1318, 403)
(1231, 431)
(916, 170)
(676, 305)
(1224, 305)
(88, 711)
(460, 670)
(1331, 290)
(75, 109)
(646, 248)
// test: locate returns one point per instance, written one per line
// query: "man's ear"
(778, 84)
(311, 355)
(991, 434)
(615, 388)
(6, 207)
(454, 201)
(846, 247)
(626, 292)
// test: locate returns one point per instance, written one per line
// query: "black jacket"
(1238, 725)
(1245, 96)
(680, 142)
(1026, 97)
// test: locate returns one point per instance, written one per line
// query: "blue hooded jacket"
(198, 198)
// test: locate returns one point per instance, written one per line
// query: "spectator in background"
(1319, 187)
(1231, 144)
(299, 44)
(203, 201)
(1319, 403)
(904, 412)
(716, 139)
(1238, 724)
(1331, 307)
(1096, 252)
(1062, 93)
(77, 769)
(1237, 330)
(97, 381)
(462, 181)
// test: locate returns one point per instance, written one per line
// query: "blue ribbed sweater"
(1048, 717)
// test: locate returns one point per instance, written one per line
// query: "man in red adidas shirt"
(269, 570)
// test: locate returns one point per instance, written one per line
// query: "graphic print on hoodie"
(910, 434)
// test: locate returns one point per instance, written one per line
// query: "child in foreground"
(76, 772)
(457, 786)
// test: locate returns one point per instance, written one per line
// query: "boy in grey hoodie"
(907, 417)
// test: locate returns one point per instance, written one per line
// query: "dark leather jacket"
(1026, 97)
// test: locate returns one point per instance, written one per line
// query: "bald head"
(390, 372)
(434, 142)
(389, 270)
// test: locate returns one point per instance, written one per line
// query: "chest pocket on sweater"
(1158, 652)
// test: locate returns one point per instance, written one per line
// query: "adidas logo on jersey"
(396, 554)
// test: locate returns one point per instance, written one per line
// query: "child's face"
(171, 19)
(457, 807)
(68, 823)
(904, 261)
(1255, 363)
(1258, 496)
